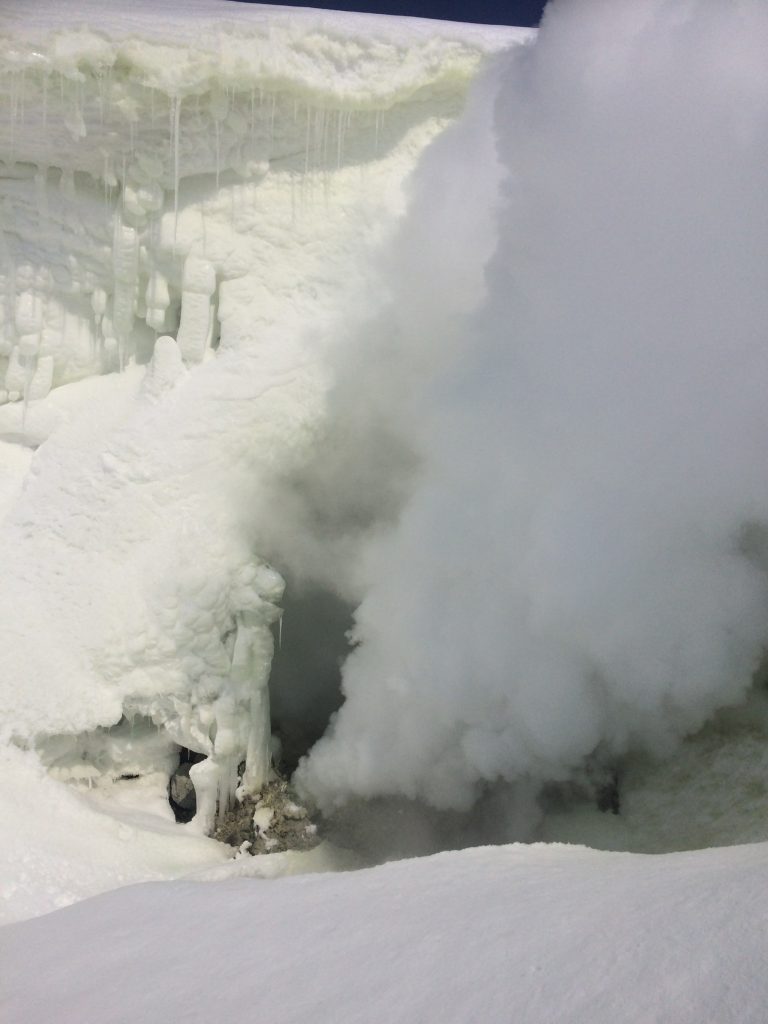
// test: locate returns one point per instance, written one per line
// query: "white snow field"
(420, 367)
(533, 934)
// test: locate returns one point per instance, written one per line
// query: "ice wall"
(194, 199)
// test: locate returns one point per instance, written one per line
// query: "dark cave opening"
(181, 791)
(311, 644)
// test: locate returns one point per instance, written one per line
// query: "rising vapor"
(575, 356)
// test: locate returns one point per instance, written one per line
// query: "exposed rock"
(182, 788)
(271, 822)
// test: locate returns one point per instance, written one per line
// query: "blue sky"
(492, 12)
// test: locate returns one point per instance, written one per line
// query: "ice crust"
(192, 200)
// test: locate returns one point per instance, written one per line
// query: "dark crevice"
(181, 791)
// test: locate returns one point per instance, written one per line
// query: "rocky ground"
(270, 822)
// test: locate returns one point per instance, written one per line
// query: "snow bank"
(530, 933)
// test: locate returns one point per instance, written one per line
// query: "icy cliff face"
(190, 209)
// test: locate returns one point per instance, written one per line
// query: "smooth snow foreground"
(530, 934)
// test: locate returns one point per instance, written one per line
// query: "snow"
(204, 178)
(459, 330)
(538, 933)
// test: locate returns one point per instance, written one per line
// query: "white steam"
(579, 563)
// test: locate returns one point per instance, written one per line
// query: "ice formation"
(191, 205)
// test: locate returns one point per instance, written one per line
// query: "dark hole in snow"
(181, 789)
(305, 682)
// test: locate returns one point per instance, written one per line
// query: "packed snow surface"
(531, 934)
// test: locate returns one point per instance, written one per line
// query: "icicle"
(102, 100)
(307, 140)
(253, 109)
(272, 119)
(45, 103)
(218, 152)
(340, 140)
(318, 139)
(106, 180)
(176, 127)
(171, 119)
(280, 633)
(14, 105)
(108, 89)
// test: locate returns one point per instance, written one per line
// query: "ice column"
(157, 300)
(197, 310)
(240, 716)
(125, 262)
(251, 662)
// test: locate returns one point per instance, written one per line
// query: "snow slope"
(531, 934)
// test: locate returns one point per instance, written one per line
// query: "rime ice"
(190, 206)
